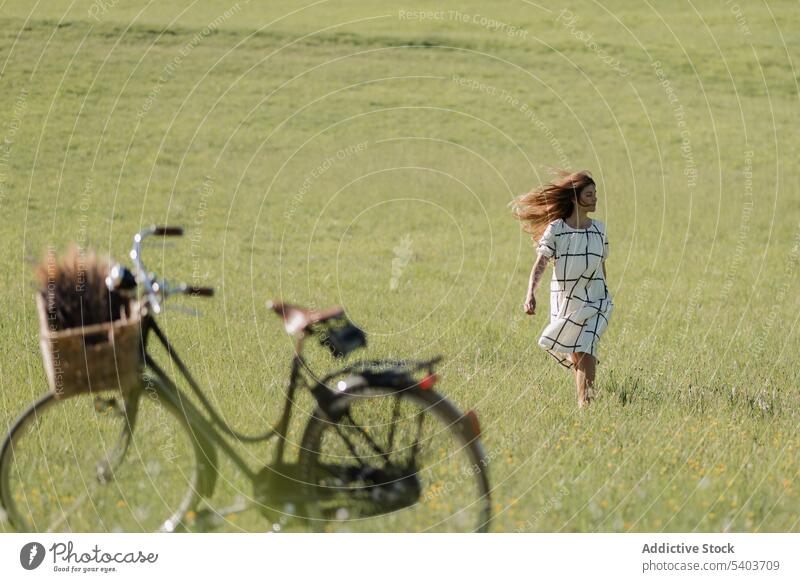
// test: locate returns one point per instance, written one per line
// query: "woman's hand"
(538, 268)
(530, 304)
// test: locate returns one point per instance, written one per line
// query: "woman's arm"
(539, 265)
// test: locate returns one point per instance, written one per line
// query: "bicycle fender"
(327, 395)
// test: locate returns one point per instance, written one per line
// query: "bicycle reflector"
(428, 381)
(474, 425)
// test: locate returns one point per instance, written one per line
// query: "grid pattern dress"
(580, 304)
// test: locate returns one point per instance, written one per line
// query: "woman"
(580, 304)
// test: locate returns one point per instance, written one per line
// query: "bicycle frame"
(166, 387)
(323, 395)
(207, 431)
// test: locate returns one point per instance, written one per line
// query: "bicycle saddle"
(297, 319)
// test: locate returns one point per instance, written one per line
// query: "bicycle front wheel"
(98, 463)
(385, 459)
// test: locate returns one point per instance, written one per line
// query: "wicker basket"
(104, 356)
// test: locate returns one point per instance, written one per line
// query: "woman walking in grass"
(580, 304)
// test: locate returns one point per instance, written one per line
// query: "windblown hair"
(73, 287)
(536, 209)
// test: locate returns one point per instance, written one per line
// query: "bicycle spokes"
(79, 464)
(427, 477)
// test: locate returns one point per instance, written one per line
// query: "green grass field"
(307, 147)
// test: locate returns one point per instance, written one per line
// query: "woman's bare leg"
(578, 379)
(585, 366)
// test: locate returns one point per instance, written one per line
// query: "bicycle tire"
(65, 465)
(454, 490)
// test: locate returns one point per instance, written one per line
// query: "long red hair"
(538, 208)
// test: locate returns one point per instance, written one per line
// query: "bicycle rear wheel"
(395, 460)
(96, 463)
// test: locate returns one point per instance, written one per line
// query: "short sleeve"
(547, 244)
(605, 244)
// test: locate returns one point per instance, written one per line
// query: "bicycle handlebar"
(167, 230)
(155, 289)
(200, 291)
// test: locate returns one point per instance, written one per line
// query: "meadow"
(364, 154)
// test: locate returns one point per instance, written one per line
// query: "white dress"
(580, 304)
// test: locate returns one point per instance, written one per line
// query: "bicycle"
(148, 460)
